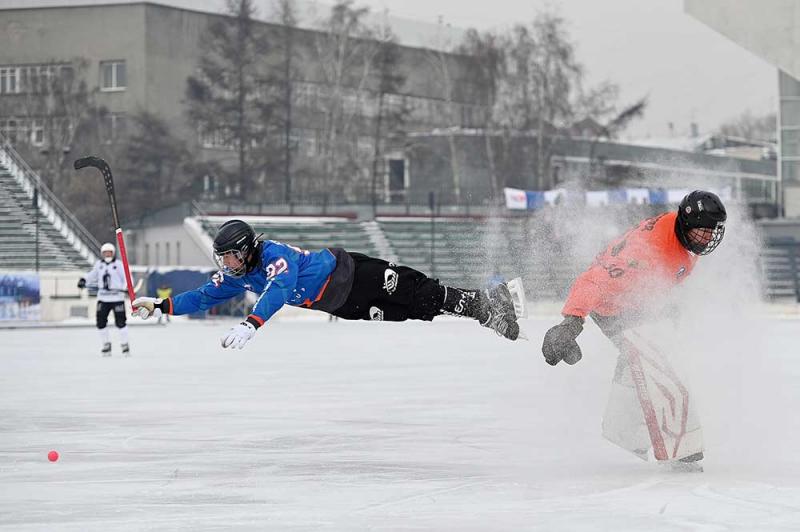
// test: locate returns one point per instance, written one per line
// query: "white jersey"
(109, 278)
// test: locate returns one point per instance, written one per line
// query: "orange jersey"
(634, 270)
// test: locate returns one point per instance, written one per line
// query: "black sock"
(467, 303)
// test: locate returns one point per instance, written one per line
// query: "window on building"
(9, 128)
(158, 258)
(178, 252)
(112, 127)
(166, 254)
(790, 113)
(217, 138)
(557, 175)
(113, 76)
(34, 82)
(790, 142)
(37, 132)
(8, 80)
(397, 179)
(147, 253)
(789, 86)
(33, 79)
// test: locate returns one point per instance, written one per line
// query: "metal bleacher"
(779, 262)
(467, 252)
(18, 220)
(445, 249)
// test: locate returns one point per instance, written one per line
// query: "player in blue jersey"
(349, 285)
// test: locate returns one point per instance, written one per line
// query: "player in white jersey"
(108, 276)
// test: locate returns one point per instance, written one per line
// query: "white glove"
(239, 335)
(147, 306)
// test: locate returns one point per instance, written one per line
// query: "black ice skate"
(502, 318)
(106, 351)
(126, 350)
(501, 301)
(503, 326)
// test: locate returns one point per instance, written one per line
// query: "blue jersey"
(285, 275)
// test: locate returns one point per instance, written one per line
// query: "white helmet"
(108, 246)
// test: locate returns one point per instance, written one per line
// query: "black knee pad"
(102, 319)
(120, 319)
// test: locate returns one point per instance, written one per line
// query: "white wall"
(145, 242)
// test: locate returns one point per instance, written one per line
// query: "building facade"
(768, 28)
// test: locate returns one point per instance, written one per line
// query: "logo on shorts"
(375, 314)
(390, 281)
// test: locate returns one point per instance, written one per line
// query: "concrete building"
(139, 55)
(769, 29)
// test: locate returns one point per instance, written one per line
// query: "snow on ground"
(354, 426)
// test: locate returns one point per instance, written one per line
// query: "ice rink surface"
(369, 426)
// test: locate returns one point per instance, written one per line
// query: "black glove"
(559, 342)
(81, 283)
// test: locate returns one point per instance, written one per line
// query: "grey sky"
(649, 47)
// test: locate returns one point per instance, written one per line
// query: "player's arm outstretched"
(218, 290)
(279, 274)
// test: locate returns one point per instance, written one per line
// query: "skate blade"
(518, 297)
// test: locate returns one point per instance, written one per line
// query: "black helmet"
(236, 238)
(700, 225)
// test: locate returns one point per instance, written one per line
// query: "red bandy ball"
(52, 456)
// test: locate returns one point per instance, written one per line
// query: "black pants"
(383, 291)
(103, 308)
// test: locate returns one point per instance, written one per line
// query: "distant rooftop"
(425, 34)
(712, 144)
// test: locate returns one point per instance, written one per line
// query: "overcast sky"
(649, 47)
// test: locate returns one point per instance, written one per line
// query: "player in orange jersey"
(623, 287)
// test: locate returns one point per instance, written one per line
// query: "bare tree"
(613, 128)
(286, 11)
(487, 68)
(750, 126)
(441, 62)
(388, 119)
(544, 91)
(229, 99)
(152, 159)
(344, 54)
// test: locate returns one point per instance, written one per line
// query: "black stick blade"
(91, 160)
(108, 179)
(100, 164)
